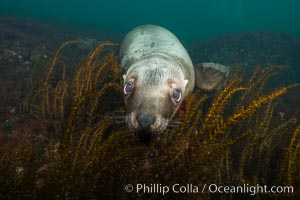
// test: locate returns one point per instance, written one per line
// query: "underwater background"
(190, 20)
(62, 128)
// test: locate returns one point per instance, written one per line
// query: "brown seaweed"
(237, 140)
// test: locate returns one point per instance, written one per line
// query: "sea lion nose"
(145, 120)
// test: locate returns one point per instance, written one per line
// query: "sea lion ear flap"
(185, 82)
(211, 76)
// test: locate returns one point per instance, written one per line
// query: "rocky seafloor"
(25, 42)
(251, 49)
(26, 48)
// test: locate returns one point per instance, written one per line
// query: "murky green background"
(190, 20)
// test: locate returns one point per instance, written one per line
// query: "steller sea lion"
(158, 75)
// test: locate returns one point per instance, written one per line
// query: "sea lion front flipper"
(211, 76)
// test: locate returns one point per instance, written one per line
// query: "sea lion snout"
(146, 113)
(144, 133)
(145, 121)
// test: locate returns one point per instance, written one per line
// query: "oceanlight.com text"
(157, 188)
(250, 189)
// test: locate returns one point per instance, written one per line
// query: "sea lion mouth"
(144, 133)
(146, 125)
(144, 136)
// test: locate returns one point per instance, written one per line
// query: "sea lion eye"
(176, 95)
(128, 87)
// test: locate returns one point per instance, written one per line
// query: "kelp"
(230, 138)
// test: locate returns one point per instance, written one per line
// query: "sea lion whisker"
(176, 122)
(119, 122)
(170, 126)
(118, 117)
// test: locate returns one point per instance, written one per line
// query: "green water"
(190, 20)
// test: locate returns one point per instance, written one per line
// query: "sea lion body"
(158, 75)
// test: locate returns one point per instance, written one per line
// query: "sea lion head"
(154, 88)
